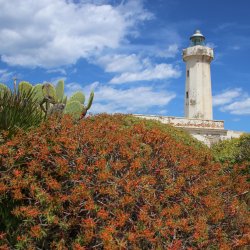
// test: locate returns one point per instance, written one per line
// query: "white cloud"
(234, 101)
(157, 72)
(235, 47)
(120, 63)
(226, 97)
(54, 33)
(72, 87)
(171, 51)
(5, 75)
(57, 70)
(211, 45)
(109, 99)
(241, 107)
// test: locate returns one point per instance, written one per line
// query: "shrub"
(234, 154)
(235, 150)
(116, 182)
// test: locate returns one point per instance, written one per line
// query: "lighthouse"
(198, 93)
(198, 120)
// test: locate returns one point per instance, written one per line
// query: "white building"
(198, 119)
(198, 95)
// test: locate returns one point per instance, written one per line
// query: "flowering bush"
(116, 182)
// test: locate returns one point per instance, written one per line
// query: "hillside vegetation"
(117, 182)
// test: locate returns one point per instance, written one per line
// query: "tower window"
(187, 73)
(187, 94)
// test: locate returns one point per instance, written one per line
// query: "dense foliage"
(236, 150)
(235, 154)
(116, 182)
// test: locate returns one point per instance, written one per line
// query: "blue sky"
(129, 51)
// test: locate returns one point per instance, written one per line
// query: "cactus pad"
(3, 89)
(24, 87)
(49, 91)
(38, 92)
(74, 108)
(91, 97)
(60, 91)
(78, 96)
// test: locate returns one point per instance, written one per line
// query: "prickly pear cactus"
(90, 101)
(24, 87)
(38, 92)
(60, 91)
(78, 96)
(49, 91)
(56, 110)
(74, 108)
(3, 89)
(64, 101)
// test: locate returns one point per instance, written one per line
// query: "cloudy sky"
(129, 51)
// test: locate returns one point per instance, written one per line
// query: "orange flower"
(77, 246)
(132, 237)
(2, 235)
(102, 214)
(36, 231)
(3, 188)
(17, 172)
(106, 234)
(89, 223)
(53, 184)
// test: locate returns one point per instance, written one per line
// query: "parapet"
(198, 50)
(186, 122)
(206, 131)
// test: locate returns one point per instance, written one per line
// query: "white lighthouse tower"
(198, 120)
(198, 95)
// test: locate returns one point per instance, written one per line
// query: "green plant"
(3, 90)
(38, 92)
(54, 102)
(18, 111)
(60, 91)
(49, 98)
(233, 151)
(24, 87)
(75, 108)
(76, 105)
(234, 154)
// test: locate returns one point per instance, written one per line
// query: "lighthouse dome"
(197, 38)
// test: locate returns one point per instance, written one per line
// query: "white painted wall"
(198, 95)
(184, 122)
(206, 131)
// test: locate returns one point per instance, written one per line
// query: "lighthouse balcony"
(197, 51)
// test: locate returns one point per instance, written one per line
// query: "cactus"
(60, 91)
(56, 102)
(81, 112)
(91, 98)
(57, 110)
(24, 87)
(75, 108)
(3, 89)
(64, 101)
(86, 108)
(49, 91)
(78, 96)
(38, 92)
